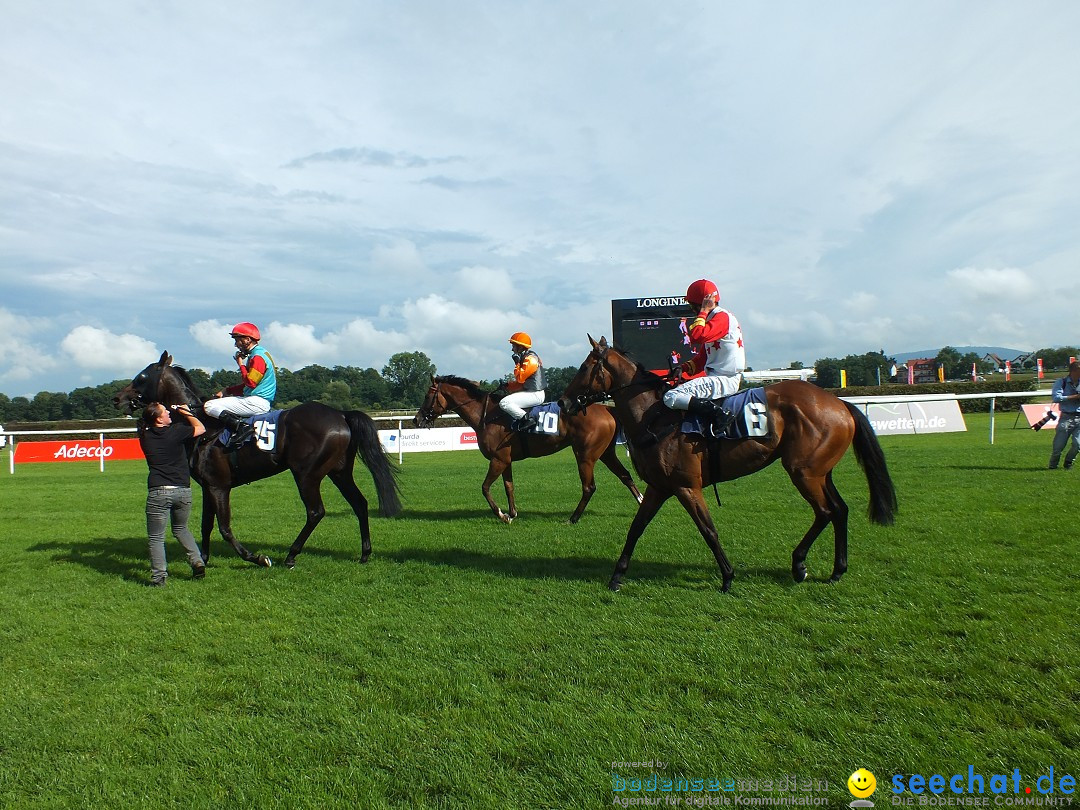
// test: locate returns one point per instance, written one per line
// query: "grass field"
(472, 664)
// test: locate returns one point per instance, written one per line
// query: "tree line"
(873, 368)
(404, 380)
(400, 385)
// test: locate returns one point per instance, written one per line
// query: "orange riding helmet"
(697, 291)
(247, 330)
(521, 339)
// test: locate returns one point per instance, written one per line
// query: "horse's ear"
(165, 359)
(603, 342)
(591, 341)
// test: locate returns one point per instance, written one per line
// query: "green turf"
(473, 664)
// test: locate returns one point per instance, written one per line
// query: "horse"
(809, 431)
(313, 442)
(591, 433)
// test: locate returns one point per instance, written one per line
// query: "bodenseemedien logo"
(862, 785)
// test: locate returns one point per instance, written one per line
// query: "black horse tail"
(883, 504)
(365, 441)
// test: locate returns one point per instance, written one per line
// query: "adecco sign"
(79, 450)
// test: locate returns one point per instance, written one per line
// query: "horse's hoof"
(614, 585)
(799, 574)
(264, 561)
(290, 563)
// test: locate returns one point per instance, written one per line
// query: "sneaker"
(198, 571)
(156, 583)
(1067, 467)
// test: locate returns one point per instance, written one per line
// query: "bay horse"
(590, 432)
(809, 431)
(313, 442)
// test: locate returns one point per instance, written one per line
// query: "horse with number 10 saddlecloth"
(590, 432)
(809, 431)
(313, 442)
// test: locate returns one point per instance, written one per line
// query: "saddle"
(751, 417)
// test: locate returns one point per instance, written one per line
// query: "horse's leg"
(585, 467)
(495, 469)
(348, 488)
(610, 458)
(207, 523)
(694, 503)
(840, 532)
(813, 490)
(308, 486)
(220, 498)
(650, 505)
(508, 486)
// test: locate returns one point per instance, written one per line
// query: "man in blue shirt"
(1066, 393)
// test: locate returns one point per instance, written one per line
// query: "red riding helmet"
(521, 339)
(247, 330)
(697, 291)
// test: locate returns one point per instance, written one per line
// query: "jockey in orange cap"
(256, 391)
(718, 351)
(526, 385)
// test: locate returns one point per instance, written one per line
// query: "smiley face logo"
(861, 783)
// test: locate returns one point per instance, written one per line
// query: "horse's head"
(159, 382)
(594, 379)
(144, 388)
(433, 407)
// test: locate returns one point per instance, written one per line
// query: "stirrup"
(525, 423)
(721, 421)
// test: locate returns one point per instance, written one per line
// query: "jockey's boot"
(717, 419)
(525, 423)
(239, 429)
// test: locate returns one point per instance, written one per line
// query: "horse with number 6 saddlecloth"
(591, 434)
(809, 431)
(313, 442)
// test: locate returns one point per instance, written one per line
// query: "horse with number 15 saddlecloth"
(809, 431)
(313, 442)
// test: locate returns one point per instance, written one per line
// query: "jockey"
(718, 351)
(527, 385)
(256, 391)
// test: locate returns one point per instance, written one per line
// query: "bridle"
(599, 393)
(147, 388)
(428, 415)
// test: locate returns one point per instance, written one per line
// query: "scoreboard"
(651, 329)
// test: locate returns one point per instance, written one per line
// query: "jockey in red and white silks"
(718, 350)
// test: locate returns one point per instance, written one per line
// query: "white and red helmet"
(247, 330)
(697, 291)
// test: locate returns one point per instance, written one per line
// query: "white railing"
(10, 435)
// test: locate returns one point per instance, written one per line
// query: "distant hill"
(1004, 354)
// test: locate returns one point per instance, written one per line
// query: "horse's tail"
(365, 441)
(868, 452)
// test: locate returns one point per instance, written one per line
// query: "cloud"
(991, 284)
(21, 355)
(101, 350)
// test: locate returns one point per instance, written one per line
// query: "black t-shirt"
(166, 455)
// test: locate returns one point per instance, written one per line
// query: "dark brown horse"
(313, 442)
(809, 431)
(591, 433)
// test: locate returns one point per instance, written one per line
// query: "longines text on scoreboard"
(651, 329)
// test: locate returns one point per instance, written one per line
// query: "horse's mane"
(471, 388)
(186, 380)
(642, 371)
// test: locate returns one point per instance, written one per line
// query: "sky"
(365, 178)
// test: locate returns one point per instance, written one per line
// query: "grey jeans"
(165, 504)
(1068, 428)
